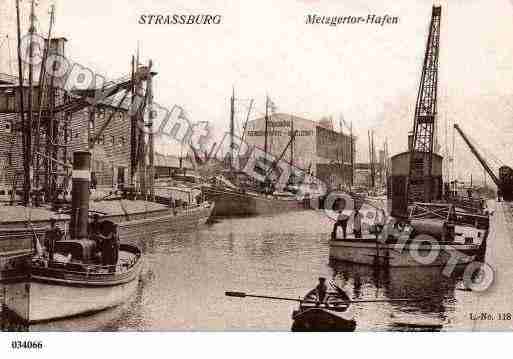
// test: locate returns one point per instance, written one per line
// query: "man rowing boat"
(320, 292)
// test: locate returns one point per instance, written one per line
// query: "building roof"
(280, 116)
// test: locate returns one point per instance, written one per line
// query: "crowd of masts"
(44, 126)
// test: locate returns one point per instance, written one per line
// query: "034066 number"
(27, 344)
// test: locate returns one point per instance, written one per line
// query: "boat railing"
(475, 205)
(478, 221)
(88, 269)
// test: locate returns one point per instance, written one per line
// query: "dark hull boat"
(230, 202)
(322, 320)
(334, 315)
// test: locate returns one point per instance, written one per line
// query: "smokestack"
(80, 194)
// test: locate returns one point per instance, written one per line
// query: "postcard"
(292, 166)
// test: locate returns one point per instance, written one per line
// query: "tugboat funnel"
(81, 176)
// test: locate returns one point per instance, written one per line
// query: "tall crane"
(503, 182)
(420, 179)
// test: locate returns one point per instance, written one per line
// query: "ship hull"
(322, 320)
(411, 254)
(137, 230)
(55, 293)
(232, 203)
(17, 237)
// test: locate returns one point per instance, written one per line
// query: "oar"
(381, 300)
(244, 295)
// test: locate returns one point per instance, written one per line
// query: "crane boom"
(478, 156)
(420, 183)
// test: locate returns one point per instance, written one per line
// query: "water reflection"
(428, 283)
(188, 273)
(114, 319)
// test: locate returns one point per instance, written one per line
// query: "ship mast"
(42, 94)
(266, 120)
(232, 127)
(151, 155)
(352, 155)
(21, 91)
(133, 129)
(27, 165)
(292, 136)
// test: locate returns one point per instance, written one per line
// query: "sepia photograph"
(272, 166)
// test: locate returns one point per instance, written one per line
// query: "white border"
(261, 345)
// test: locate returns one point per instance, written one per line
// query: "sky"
(368, 73)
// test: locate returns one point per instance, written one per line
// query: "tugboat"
(84, 271)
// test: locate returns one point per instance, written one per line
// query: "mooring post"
(81, 176)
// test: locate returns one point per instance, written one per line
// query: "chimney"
(81, 176)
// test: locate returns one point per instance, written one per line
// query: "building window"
(121, 141)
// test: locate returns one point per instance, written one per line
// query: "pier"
(492, 308)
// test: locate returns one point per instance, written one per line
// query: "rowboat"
(333, 315)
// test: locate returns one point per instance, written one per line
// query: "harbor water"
(187, 275)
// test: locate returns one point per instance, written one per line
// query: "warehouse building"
(316, 147)
(112, 150)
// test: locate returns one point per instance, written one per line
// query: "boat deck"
(21, 213)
